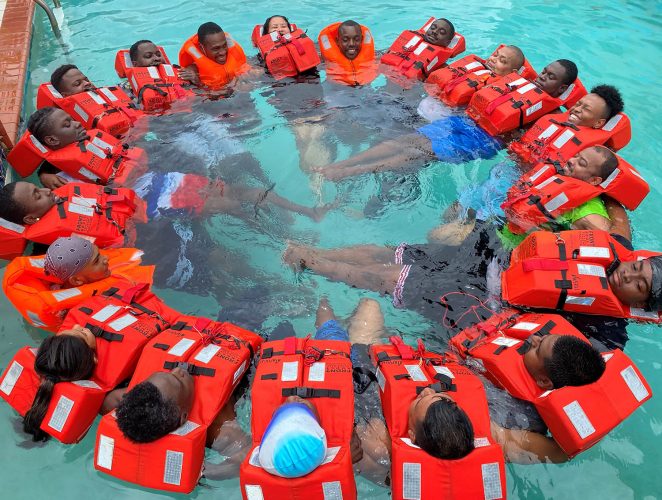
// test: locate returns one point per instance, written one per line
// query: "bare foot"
(295, 256)
(453, 233)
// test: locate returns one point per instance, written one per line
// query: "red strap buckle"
(405, 351)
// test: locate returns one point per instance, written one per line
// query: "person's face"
(589, 111)
(64, 130)
(82, 333)
(148, 55)
(35, 200)
(350, 39)
(585, 166)
(176, 385)
(534, 359)
(439, 33)
(419, 408)
(502, 61)
(215, 47)
(278, 24)
(631, 282)
(74, 82)
(551, 79)
(95, 270)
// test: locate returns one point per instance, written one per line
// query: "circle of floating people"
(531, 278)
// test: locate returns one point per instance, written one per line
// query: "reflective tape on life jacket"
(544, 193)
(12, 239)
(211, 73)
(43, 302)
(100, 158)
(415, 58)
(107, 108)
(568, 271)
(513, 101)
(285, 55)
(122, 327)
(456, 83)
(321, 372)
(577, 417)
(415, 473)
(217, 355)
(359, 71)
(155, 87)
(554, 138)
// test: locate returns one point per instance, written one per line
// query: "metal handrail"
(51, 17)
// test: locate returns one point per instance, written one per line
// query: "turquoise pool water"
(612, 42)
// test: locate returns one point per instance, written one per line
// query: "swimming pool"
(612, 42)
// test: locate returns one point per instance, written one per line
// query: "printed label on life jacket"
(638, 312)
(480, 442)
(105, 313)
(205, 354)
(416, 373)
(580, 301)
(17, 228)
(61, 413)
(290, 371)
(8, 383)
(557, 202)
(254, 492)
(180, 348)
(330, 455)
(491, 481)
(186, 428)
(506, 341)
(473, 65)
(173, 467)
(525, 325)
(66, 294)
(444, 370)
(316, 372)
(87, 384)
(238, 372)
(411, 481)
(563, 138)
(548, 132)
(381, 380)
(105, 452)
(332, 490)
(579, 420)
(120, 323)
(634, 383)
(597, 252)
(75, 208)
(591, 270)
(532, 109)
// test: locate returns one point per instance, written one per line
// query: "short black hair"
(574, 363)
(450, 25)
(133, 50)
(571, 71)
(349, 23)
(519, 55)
(610, 161)
(56, 77)
(612, 98)
(10, 209)
(39, 122)
(143, 415)
(265, 26)
(207, 29)
(446, 431)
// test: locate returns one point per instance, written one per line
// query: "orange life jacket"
(211, 73)
(155, 87)
(123, 322)
(543, 194)
(456, 83)
(568, 271)
(43, 304)
(218, 355)
(106, 108)
(513, 101)
(402, 373)
(414, 58)
(577, 417)
(359, 71)
(553, 138)
(12, 239)
(321, 372)
(101, 158)
(285, 55)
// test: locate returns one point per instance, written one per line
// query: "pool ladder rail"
(51, 16)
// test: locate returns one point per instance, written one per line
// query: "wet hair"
(207, 29)
(58, 74)
(143, 415)
(450, 25)
(446, 431)
(610, 161)
(612, 98)
(519, 56)
(265, 27)
(350, 23)
(570, 71)
(39, 123)
(574, 362)
(133, 50)
(60, 358)
(10, 209)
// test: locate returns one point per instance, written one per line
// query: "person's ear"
(183, 418)
(51, 141)
(595, 180)
(30, 219)
(412, 435)
(600, 123)
(76, 281)
(562, 89)
(544, 382)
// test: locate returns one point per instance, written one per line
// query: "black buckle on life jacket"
(110, 292)
(163, 347)
(60, 209)
(194, 370)
(100, 333)
(564, 285)
(180, 325)
(310, 392)
(362, 378)
(500, 349)
(269, 376)
(86, 310)
(537, 201)
(77, 190)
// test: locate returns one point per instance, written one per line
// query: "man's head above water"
(25, 203)
(69, 80)
(592, 165)
(638, 283)
(505, 60)
(350, 38)
(157, 406)
(145, 53)
(595, 109)
(55, 128)
(556, 77)
(440, 32)
(75, 261)
(213, 42)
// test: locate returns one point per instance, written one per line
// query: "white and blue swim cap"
(294, 444)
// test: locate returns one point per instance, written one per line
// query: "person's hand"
(189, 74)
(356, 448)
(51, 181)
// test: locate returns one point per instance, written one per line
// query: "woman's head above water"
(277, 23)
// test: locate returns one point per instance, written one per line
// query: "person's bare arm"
(526, 447)
(233, 443)
(617, 223)
(111, 400)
